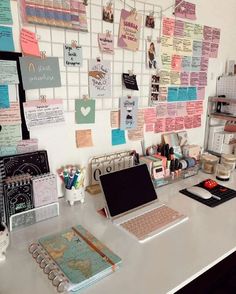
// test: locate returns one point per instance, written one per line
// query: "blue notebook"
(74, 258)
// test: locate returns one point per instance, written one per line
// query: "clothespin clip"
(131, 73)
(151, 13)
(85, 97)
(149, 38)
(134, 11)
(109, 4)
(73, 43)
(43, 54)
(98, 59)
(43, 98)
(108, 33)
(85, 2)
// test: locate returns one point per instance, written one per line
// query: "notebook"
(17, 195)
(130, 195)
(74, 258)
(33, 163)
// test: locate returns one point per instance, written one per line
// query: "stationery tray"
(223, 192)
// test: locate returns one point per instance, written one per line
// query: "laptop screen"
(127, 189)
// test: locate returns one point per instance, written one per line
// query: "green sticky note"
(85, 111)
(5, 12)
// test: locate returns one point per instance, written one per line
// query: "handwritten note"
(8, 72)
(40, 73)
(29, 145)
(5, 12)
(84, 138)
(10, 116)
(150, 115)
(159, 125)
(73, 55)
(39, 113)
(106, 43)
(29, 43)
(137, 134)
(115, 119)
(168, 26)
(117, 137)
(6, 39)
(99, 79)
(129, 30)
(10, 135)
(4, 97)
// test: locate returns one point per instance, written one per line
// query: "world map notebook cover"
(82, 258)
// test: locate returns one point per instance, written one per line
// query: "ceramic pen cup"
(72, 195)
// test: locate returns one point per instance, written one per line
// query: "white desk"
(162, 265)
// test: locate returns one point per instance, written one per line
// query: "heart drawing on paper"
(85, 110)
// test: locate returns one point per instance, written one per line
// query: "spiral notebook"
(74, 258)
(17, 195)
(44, 189)
(34, 163)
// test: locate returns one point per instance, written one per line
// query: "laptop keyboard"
(157, 219)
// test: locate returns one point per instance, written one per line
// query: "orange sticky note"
(84, 138)
(29, 43)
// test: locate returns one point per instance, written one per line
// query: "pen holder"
(4, 241)
(72, 195)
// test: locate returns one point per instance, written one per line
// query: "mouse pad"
(223, 192)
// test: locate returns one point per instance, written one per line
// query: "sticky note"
(6, 39)
(118, 137)
(192, 93)
(29, 43)
(172, 94)
(5, 12)
(4, 97)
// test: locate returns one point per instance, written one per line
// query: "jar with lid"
(228, 160)
(223, 172)
(209, 163)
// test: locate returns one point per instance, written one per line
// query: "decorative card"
(73, 55)
(40, 73)
(129, 31)
(99, 79)
(85, 111)
(106, 43)
(130, 81)
(152, 51)
(128, 112)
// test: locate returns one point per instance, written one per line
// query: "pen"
(215, 197)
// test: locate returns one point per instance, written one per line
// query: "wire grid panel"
(226, 85)
(75, 80)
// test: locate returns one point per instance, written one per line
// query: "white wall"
(60, 141)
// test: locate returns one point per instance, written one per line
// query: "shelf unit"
(212, 113)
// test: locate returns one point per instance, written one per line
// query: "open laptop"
(131, 203)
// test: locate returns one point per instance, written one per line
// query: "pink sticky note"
(150, 115)
(29, 43)
(149, 127)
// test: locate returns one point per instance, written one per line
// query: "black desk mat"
(223, 192)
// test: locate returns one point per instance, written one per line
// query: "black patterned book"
(33, 163)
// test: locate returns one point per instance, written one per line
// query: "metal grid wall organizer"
(75, 80)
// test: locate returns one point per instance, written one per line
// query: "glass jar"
(223, 172)
(209, 163)
(228, 160)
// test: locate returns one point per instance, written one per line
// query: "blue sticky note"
(118, 137)
(186, 63)
(172, 94)
(4, 97)
(6, 39)
(7, 150)
(192, 93)
(196, 63)
(5, 12)
(197, 48)
(183, 94)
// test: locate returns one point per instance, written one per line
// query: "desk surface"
(161, 265)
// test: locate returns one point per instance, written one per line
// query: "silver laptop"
(132, 204)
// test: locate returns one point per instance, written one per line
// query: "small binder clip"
(85, 97)
(149, 38)
(43, 54)
(98, 59)
(131, 73)
(73, 43)
(43, 98)
(108, 33)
